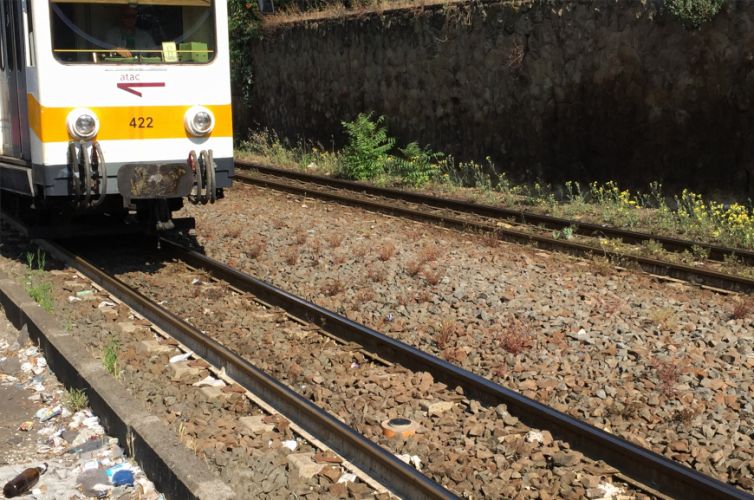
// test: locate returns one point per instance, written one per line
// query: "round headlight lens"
(199, 121)
(202, 122)
(85, 125)
(82, 123)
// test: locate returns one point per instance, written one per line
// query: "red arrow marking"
(129, 87)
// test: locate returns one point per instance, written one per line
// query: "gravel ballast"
(256, 453)
(661, 363)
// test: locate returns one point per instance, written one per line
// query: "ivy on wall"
(244, 25)
(693, 13)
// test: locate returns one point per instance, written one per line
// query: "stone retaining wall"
(582, 89)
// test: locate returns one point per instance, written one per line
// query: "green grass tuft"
(76, 399)
(110, 357)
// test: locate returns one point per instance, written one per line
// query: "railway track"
(510, 225)
(639, 467)
(384, 467)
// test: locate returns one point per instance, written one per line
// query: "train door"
(15, 139)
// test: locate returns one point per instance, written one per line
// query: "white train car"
(114, 106)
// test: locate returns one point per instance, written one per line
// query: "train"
(118, 108)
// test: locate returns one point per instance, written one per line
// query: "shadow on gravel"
(14, 246)
(130, 253)
(114, 254)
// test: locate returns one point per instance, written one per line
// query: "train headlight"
(199, 121)
(82, 123)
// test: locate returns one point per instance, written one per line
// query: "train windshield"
(128, 32)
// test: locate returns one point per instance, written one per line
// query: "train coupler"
(153, 181)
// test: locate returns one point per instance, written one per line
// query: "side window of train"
(29, 36)
(18, 61)
(3, 43)
(5, 49)
(9, 34)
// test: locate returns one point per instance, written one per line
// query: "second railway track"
(511, 225)
(637, 464)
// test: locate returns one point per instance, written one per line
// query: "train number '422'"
(141, 122)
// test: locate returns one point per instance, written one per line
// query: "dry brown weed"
(413, 267)
(334, 240)
(255, 248)
(668, 371)
(446, 331)
(515, 337)
(433, 276)
(376, 274)
(301, 236)
(429, 253)
(385, 251)
(333, 287)
(291, 255)
(742, 308)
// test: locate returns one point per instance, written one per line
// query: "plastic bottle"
(23, 482)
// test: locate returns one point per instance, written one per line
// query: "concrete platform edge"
(175, 471)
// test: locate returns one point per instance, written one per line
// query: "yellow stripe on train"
(127, 122)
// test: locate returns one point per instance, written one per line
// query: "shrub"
(366, 154)
(418, 166)
(694, 13)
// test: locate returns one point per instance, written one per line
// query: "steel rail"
(379, 463)
(698, 276)
(644, 466)
(716, 252)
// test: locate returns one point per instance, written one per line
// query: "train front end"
(129, 105)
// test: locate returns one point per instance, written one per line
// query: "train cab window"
(126, 32)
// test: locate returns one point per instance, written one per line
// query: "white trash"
(291, 444)
(91, 464)
(210, 381)
(180, 357)
(346, 477)
(411, 460)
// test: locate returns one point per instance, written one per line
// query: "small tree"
(366, 154)
(417, 165)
